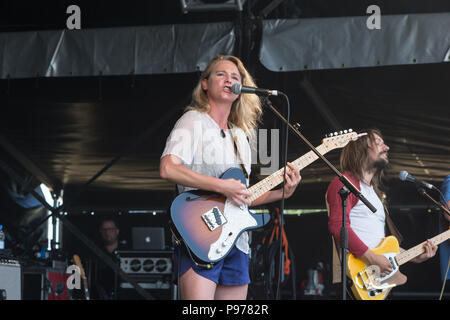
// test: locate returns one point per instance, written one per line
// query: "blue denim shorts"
(230, 271)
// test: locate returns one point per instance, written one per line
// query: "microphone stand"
(425, 194)
(266, 101)
(445, 209)
(344, 192)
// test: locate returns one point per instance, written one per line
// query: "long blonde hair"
(245, 111)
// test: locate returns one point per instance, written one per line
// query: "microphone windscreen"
(403, 175)
(236, 88)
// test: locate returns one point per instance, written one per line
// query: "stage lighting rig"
(211, 5)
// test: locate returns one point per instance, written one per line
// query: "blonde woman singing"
(198, 151)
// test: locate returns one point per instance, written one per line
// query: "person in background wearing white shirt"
(363, 162)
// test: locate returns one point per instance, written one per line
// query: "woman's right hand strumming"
(235, 191)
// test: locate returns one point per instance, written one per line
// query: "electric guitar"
(368, 284)
(209, 224)
(77, 261)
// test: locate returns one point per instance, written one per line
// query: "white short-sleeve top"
(197, 140)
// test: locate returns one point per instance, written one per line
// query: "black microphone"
(238, 88)
(405, 176)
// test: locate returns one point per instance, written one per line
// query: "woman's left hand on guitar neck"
(293, 178)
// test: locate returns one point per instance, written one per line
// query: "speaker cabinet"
(146, 262)
(152, 270)
(10, 280)
(45, 283)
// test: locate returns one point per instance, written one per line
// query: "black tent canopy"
(87, 112)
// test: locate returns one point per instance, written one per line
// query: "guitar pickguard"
(238, 219)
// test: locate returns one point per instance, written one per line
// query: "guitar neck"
(77, 261)
(86, 289)
(417, 250)
(276, 178)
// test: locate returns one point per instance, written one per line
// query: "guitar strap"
(391, 226)
(238, 152)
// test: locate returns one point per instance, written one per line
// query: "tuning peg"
(345, 131)
(350, 130)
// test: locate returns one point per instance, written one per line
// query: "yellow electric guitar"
(367, 283)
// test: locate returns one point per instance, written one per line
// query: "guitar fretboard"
(276, 178)
(417, 250)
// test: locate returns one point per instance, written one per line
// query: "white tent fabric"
(160, 49)
(347, 42)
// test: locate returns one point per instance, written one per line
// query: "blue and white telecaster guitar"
(209, 224)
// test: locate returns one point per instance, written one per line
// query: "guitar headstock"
(340, 139)
(77, 261)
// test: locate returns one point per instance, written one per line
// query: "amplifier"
(160, 287)
(146, 262)
(45, 283)
(10, 280)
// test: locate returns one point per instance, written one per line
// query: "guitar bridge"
(370, 277)
(214, 218)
